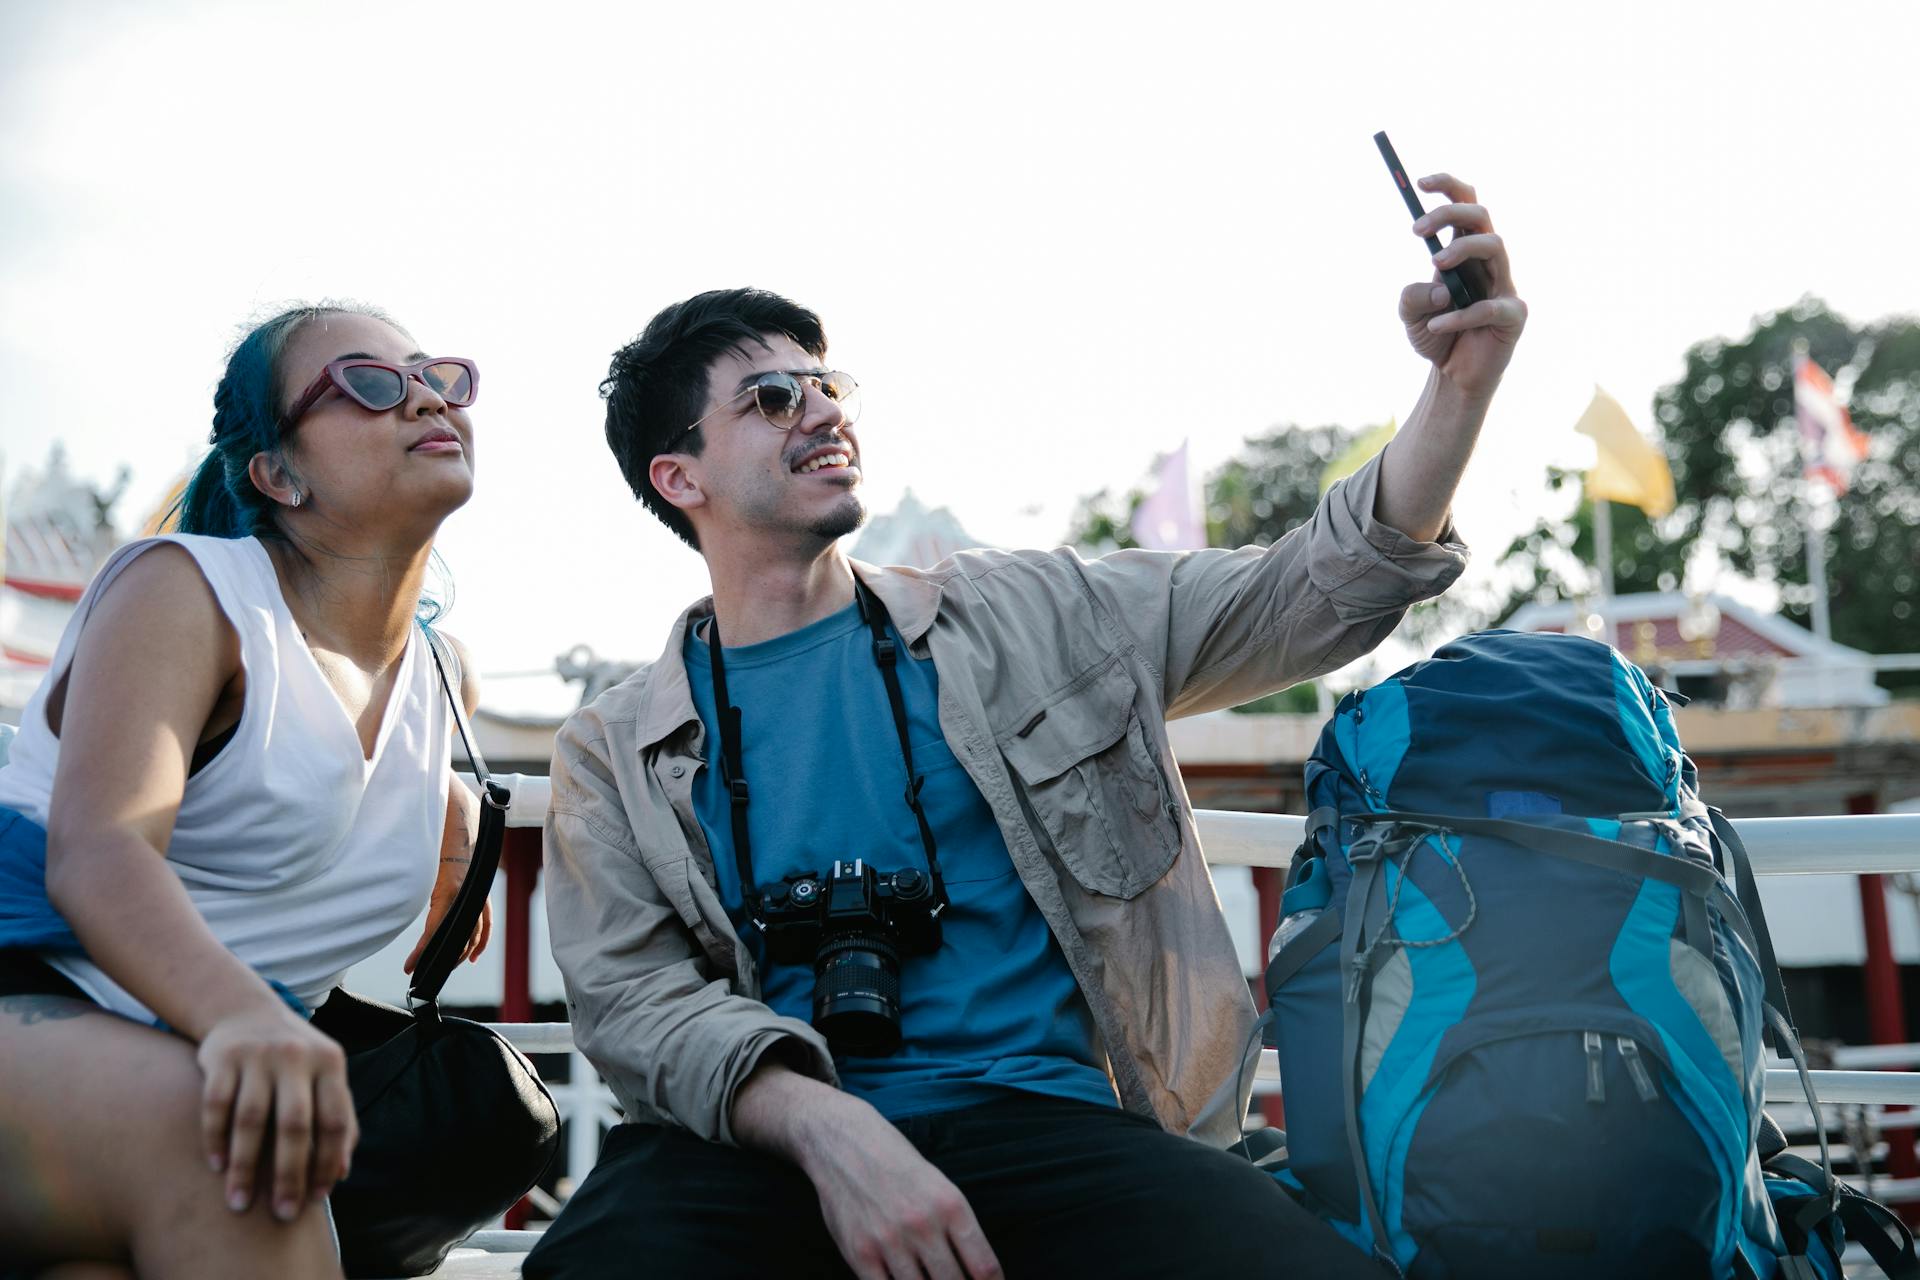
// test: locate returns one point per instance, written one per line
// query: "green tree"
(1553, 560)
(1262, 493)
(1732, 441)
(1272, 485)
(1102, 522)
(1735, 450)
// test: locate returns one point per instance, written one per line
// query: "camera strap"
(886, 656)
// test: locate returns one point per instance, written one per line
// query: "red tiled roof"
(1735, 639)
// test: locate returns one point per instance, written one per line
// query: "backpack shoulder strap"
(1747, 892)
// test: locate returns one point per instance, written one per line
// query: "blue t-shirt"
(996, 1007)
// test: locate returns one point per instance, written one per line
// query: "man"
(914, 966)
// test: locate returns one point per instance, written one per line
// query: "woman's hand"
(275, 1083)
(453, 873)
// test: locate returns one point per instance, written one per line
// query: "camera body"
(853, 924)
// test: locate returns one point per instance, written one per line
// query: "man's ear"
(270, 475)
(674, 482)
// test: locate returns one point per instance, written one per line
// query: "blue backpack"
(1518, 995)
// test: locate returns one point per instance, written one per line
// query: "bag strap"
(1302, 947)
(1360, 895)
(1747, 890)
(1576, 846)
(1866, 1221)
(1699, 884)
(1778, 1026)
(449, 941)
(1881, 1233)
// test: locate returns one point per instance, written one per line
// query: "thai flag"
(1830, 443)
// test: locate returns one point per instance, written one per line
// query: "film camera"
(854, 924)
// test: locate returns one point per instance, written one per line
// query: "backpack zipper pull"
(1637, 1068)
(1596, 1074)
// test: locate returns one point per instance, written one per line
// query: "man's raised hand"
(1469, 348)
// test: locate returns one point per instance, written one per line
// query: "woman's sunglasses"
(781, 397)
(377, 386)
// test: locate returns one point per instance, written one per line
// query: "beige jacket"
(1057, 677)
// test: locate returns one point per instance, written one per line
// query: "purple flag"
(1169, 519)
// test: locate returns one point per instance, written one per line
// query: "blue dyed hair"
(220, 500)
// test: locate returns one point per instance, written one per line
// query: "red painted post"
(520, 852)
(1267, 883)
(1886, 1010)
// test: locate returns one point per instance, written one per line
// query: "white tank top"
(303, 856)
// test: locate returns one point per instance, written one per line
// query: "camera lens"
(856, 994)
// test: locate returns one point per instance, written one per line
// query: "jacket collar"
(669, 702)
(912, 598)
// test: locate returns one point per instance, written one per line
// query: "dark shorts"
(24, 973)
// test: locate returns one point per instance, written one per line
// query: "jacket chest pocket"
(1094, 783)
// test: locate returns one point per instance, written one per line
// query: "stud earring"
(297, 499)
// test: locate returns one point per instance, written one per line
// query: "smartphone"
(1466, 283)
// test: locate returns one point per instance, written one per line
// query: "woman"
(240, 759)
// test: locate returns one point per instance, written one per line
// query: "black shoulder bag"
(455, 1125)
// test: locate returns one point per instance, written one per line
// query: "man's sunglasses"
(378, 386)
(781, 397)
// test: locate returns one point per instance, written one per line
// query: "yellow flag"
(163, 518)
(1368, 443)
(1629, 469)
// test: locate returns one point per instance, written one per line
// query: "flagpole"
(1603, 552)
(1810, 397)
(1817, 564)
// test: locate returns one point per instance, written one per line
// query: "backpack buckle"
(1367, 847)
(1380, 842)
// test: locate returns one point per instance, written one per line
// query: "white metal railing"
(1853, 845)
(1783, 1084)
(1873, 1056)
(1865, 844)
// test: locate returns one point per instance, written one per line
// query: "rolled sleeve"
(649, 1008)
(1367, 569)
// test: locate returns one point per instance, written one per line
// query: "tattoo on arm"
(32, 1009)
(458, 829)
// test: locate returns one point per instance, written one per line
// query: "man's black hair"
(657, 383)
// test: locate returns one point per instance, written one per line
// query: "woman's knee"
(107, 1158)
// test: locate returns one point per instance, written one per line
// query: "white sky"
(1050, 240)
